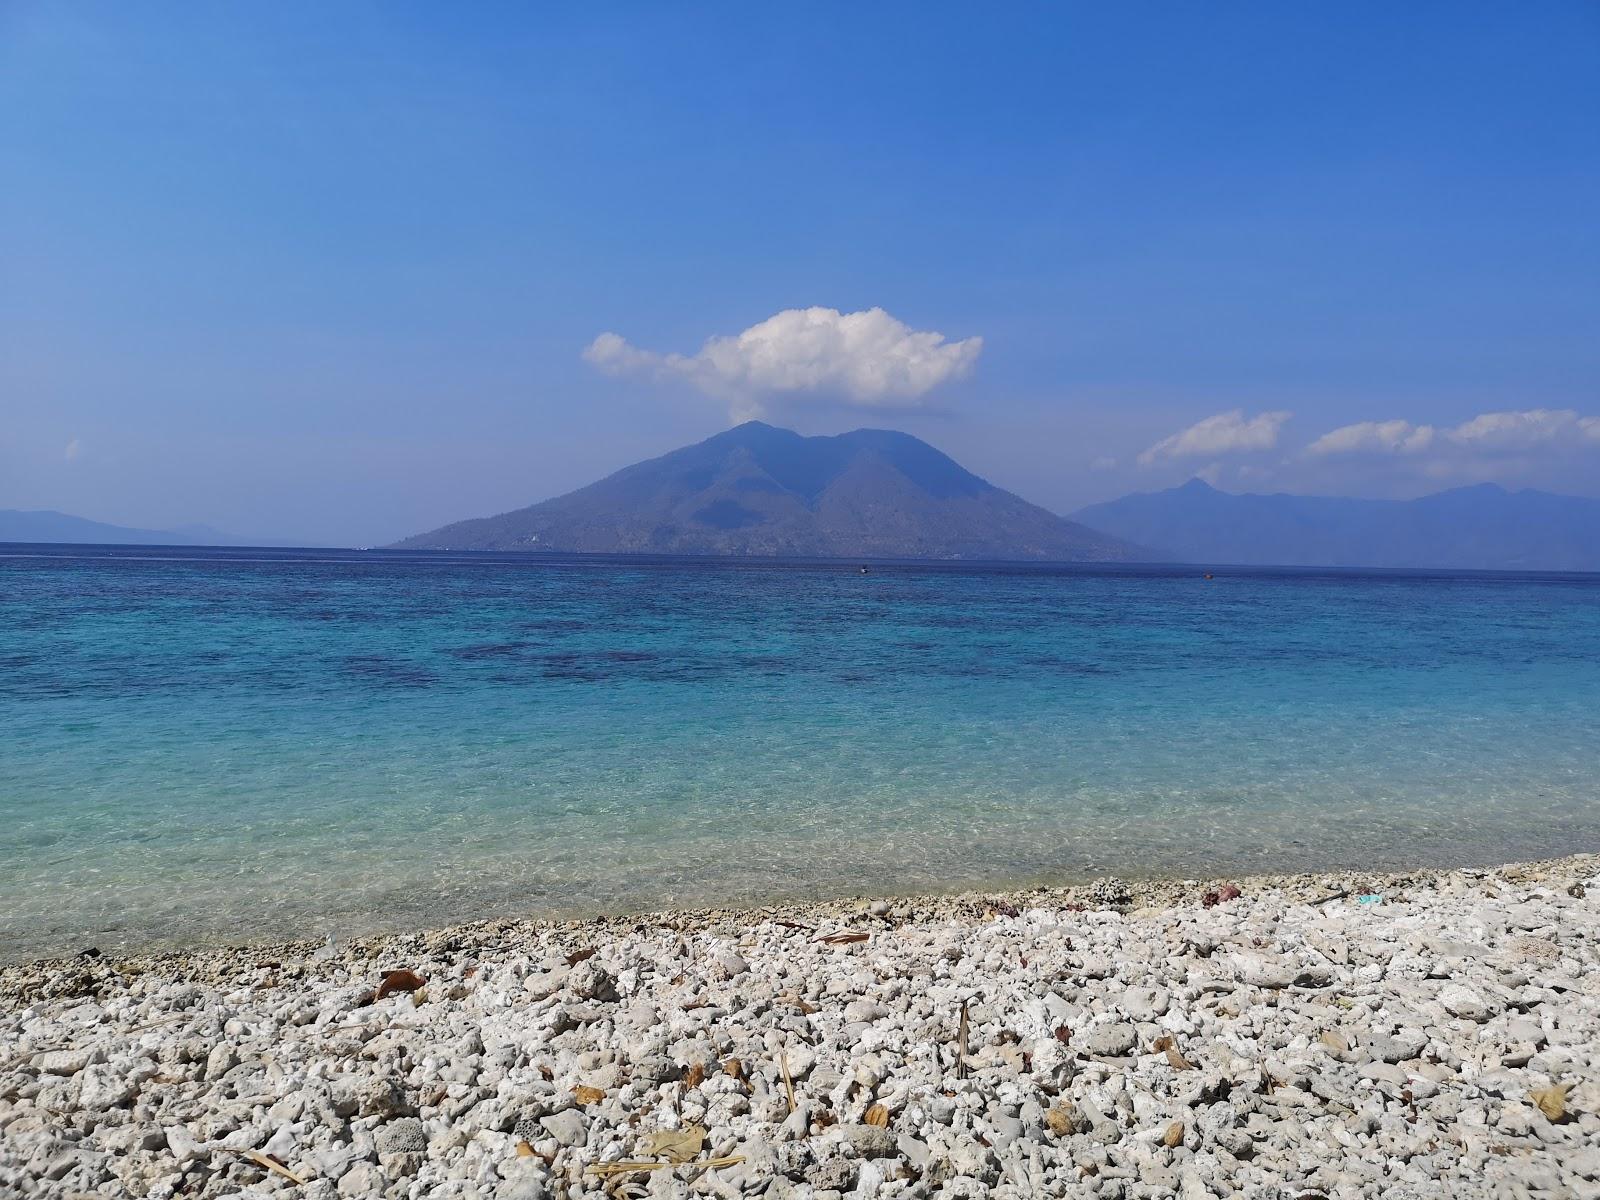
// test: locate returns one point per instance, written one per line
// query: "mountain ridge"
(46, 525)
(760, 490)
(1476, 527)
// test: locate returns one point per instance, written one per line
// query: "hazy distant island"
(46, 525)
(1484, 527)
(759, 490)
(875, 493)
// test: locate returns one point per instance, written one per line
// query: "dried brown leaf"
(584, 1094)
(844, 937)
(578, 956)
(268, 1163)
(1164, 1042)
(877, 1115)
(1063, 1033)
(1551, 1101)
(694, 1076)
(676, 1145)
(1064, 1120)
(524, 1150)
(1178, 1061)
(734, 1069)
(403, 980)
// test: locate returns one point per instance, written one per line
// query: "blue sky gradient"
(328, 271)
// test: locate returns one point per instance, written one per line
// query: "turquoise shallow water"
(202, 745)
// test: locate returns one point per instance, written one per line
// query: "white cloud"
(866, 358)
(1488, 433)
(74, 448)
(1225, 433)
(1374, 437)
(1524, 430)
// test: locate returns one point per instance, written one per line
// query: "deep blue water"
(205, 744)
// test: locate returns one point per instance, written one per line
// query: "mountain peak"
(757, 489)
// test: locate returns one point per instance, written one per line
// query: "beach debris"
(267, 1163)
(844, 937)
(1330, 897)
(961, 1044)
(627, 1167)
(788, 1079)
(1110, 893)
(584, 1094)
(1552, 1100)
(1370, 898)
(524, 1150)
(402, 980)
(1210, 900)
(1166, 1044)
(1065, 1119)
(1577, 891)
(877, 1115)
(676, 1145)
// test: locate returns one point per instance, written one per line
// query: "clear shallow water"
(214, 744)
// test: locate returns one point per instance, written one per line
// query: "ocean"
(204, 745)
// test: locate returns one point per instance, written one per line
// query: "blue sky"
(330, 272)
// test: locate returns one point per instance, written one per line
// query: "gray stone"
(404, 1135)
(570, 1128)
(869, 1141)
(1112, 1041)
(105, 1086)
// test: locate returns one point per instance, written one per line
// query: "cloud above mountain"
(1374, 437)
(1511, 432)
(1226, 433)
(866, 359)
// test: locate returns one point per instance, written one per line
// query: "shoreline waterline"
(1150, 891)
(1341, 1034)
(220, 747)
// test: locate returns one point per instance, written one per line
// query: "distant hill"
(43, 525)
(759, 490)
(1483, 527)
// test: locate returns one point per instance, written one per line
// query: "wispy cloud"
(74, 448)
(1374, 437)
(867, 359)
(1510, 432)
(1225, 433)
(1526, 430)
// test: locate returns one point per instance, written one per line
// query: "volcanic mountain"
(759, 490)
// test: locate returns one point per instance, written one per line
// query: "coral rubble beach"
(1430, 1034)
